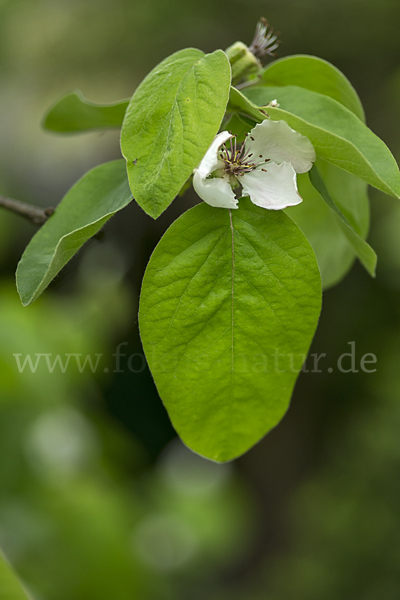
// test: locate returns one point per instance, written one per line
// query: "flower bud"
(243, 62)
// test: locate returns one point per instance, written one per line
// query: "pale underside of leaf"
(334, 252)
(362, 249)
(83, 211)
(74, 113)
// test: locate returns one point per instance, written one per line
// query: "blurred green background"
(98, 498)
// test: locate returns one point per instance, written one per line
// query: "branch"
(36, 215)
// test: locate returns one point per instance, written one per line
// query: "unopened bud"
(243, 62)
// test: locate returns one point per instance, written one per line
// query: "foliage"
(347, 519)
(224, 288)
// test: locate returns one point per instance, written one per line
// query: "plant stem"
(36, 215)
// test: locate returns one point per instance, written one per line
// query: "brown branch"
(36, 215)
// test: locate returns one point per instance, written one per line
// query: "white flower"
(265, 165)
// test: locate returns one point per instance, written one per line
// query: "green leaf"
(73, 113)
(170, 123)
(229, 305)
(337, 134)
(316, 75)
(245, 108)
(82, 212)
(334, 252)
(10, 587)
(363, 250)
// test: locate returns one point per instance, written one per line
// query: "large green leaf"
(229, 305)
(82, 212)
(337, 134)
(334, 252)
(316, 75)
(73, 113)
(10, 587)
(170, 122)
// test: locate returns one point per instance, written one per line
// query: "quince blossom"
(265, 165)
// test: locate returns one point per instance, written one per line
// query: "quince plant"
(231, 297)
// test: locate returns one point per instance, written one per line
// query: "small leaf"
(319, 223)
(363, 250)
(316, 75)
(337, 134)
(82, 212)
(229, 305)
(73, 113)
(10, 587)
(171, 121)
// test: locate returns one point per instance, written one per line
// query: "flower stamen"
(237, 160)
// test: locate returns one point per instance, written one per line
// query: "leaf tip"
(25, 300)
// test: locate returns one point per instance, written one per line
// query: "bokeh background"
(98, 498)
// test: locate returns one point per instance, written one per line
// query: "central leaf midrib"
(232, 318)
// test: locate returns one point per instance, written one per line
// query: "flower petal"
(275, 188)
(280, 143)
(216, 191)
(210, 161)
